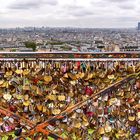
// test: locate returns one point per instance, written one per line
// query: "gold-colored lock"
(71, 94)
(26, 103)
(101, 130)
(1, 82)
(85, 123)
(44, 109)
(19, 71)
(111, 77)
(72, 76)
(112, 101)
(7, 96)
(8, 74)
(39, 107)
(138, 115)
(26, 72)
(108, 128)
(52, 97)
(19, 96)
(131, 118)
(61, 98)
(73, 83)
(26, 87)
(56, 111)
(77, 125)
(48, 79)
(26, 97)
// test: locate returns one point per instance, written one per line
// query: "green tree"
(30, 44)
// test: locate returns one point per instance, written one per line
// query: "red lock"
(12, 108)
(88, 91)
(89, 114)
(35, 81)
(130, 100)
(78, 65)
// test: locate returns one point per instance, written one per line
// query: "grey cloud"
(51, 2)
(81, 13)
(127, 19)
(99, 4)
(123, 4)
(30, 4)
(96, 13)
(25, 5)
(73, 7)
(78, 11)
(119, 1)
(127, 7)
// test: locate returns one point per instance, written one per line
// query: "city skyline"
(72, 13)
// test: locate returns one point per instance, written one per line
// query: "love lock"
(98, 98)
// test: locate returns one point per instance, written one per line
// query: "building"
(138, 35)
(23, 49)
(129, 48)
(139, 26)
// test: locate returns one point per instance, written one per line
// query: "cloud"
(77, 11)
(99, 4)
(127, 19)
(73, 7)
(118, 1)
(127, 7)
(82, 13)
(31, 4)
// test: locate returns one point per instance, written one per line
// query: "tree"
(30, 44)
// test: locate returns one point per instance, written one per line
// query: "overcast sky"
(74, 13)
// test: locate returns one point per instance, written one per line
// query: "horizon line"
(21, 27)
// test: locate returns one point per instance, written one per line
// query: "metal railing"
(70, 55)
